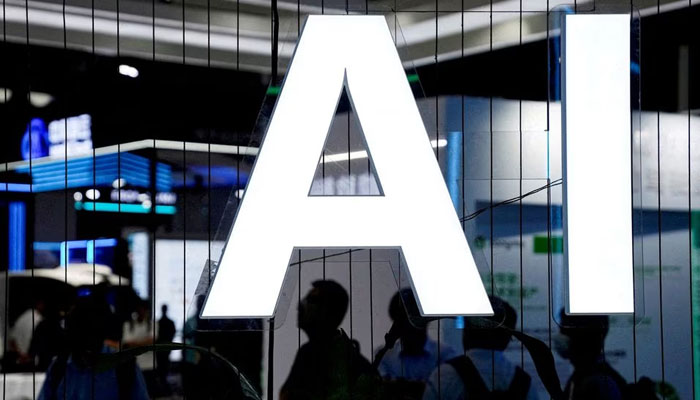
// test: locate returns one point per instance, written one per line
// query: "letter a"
(277, 214)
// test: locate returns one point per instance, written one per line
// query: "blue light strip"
(17, 235)
(102, 172)
(105, 242)
(165, 209)
(164, 177)
(74, 244)
(47, 246)
(64, 254)
(454, 178)
(454, 167)
(90, 251)
(65, 247)
(15, 187)
(123, 208)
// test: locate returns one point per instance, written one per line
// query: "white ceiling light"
(119, 183)
(40, 99)
(5, 95)
(360, 154)
(128, 70)
(92, 194)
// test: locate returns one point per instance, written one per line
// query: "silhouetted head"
(40, 306)
(323, 309)
(86, 325)
(141, 311)
(408, 325)
(582, 337)
(164, 309)
(50, 309)
(494, 332)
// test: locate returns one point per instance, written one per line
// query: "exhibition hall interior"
(134, 133)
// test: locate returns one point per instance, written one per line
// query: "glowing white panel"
(597, 164)
(276, 214)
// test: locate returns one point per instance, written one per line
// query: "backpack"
(365, 381)
(124, 371)
(476, 389)
(643, 389)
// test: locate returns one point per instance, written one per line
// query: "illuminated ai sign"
(277, 214)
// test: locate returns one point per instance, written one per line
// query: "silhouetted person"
(205, 376)
(193, 372)
(77, 375)
(21, 334)
(329, 365)
(166, 333)
(138, 332)
(483, 372)
(49, 338)
(409, 356)
(581, 341)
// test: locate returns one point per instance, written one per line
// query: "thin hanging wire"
(437, 156)
(274, 16)
(371, 267)
(119, 168)
(658, 179)
(549, 200)
(520, 190)
(154, 273)
(463, 138)
(349, 188)
(184, 191)
(65, 163)
(634, 261)
(491, 161)
(299, 254)
(690, 211)
(31, 175)
(209, 137)
(5, 320)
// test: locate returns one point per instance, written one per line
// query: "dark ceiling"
(180, 102)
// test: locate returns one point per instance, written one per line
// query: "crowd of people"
(66, 340)
(91, 352)
(101, 344)
(412, 366)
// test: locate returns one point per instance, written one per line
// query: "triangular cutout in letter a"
(345, 167)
